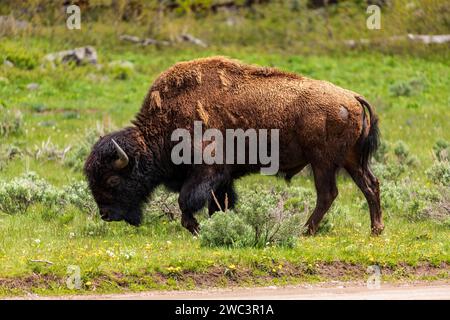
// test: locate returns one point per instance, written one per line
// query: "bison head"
(115, 173)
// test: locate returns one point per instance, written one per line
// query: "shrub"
(389, 171)
(439, 173)
(442, 150)
(19, 194)
(401, 151)
(226, 229)
(272, 222)
(163, 204)
(121, 70)
(440, 210)
(382, 152)
(79, 195)
(407, 88)
(266, 218)
(11, 121)
(407, 199)
(391, 161)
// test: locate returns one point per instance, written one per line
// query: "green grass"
(110, 255)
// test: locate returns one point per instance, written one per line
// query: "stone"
(79, 56)
(33, 86)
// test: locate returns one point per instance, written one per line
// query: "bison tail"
(368, 143)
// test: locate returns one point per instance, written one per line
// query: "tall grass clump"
(11, 122)
(21, 57)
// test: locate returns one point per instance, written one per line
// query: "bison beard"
(319, 123)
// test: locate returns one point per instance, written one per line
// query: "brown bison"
(319, 124)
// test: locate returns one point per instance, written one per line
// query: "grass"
(412, 99)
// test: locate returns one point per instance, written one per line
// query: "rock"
(423, 38)
(8, 63)
(144, 42)
(126, 37)
(186, 37)
(80, 56)
(33, 86)
(427, 39)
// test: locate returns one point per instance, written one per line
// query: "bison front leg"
(325, 182)
(194, 194)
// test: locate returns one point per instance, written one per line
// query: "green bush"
(265, 218)
(78, 195)
(272, 222)
(163, 204)
(406, 199)
(121, 70)
(401, 151)
(441, 150)
(382, 152)
(407, 88)
(391, 161)
(17, 195)
(439, 173)
(20, 193)
(389, 171)
(226, 229)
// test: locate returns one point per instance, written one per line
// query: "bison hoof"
(309, 231)
(192, 225)
(377, 229)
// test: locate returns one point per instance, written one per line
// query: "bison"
(319, 124)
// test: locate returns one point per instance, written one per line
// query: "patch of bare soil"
(220, 276)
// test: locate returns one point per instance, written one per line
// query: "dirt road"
(437, 290)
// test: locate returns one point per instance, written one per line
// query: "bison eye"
(113, 181)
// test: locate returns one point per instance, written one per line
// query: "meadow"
(48, 221)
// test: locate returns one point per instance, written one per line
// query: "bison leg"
(189, 222)
(369, 186)
(223, 192)
(325, 182)
(195, 192)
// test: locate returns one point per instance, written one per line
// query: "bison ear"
(123, 160)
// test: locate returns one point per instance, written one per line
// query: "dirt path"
(434, 290)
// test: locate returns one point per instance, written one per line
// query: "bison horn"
(123, 160)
